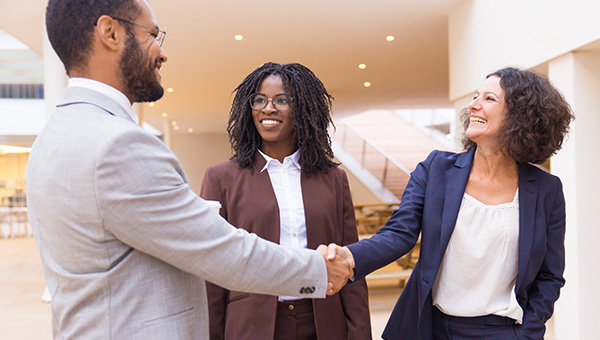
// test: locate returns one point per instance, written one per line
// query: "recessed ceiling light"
(173, 122)
(170, 90)
(176, 127)
(390, 38)
(190, 130)
(151, 104)
(362, 66)
(164, 115)
(238, 37)
(367, 84)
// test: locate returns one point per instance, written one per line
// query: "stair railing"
(360, 151)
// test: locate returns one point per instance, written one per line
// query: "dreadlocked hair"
(310, 111)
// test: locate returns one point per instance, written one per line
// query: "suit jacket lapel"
(271, 229)
(528, 192)
(456, 182)
(315, 233)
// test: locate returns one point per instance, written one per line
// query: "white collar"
(106, 90)
(295, 158)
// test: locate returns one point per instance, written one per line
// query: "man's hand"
(343, 252)
(338, 270)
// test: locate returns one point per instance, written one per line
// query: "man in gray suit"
(125, 244)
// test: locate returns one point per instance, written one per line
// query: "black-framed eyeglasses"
(160, 34)
(259, 101)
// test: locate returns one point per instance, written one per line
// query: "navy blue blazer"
(430, 205)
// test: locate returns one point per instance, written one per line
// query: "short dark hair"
(538, 117)
(311, 115)
(70, 25)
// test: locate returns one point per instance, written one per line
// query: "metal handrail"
(367, 141)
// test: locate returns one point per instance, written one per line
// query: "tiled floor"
(24, 317)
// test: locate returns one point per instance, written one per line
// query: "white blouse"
(285, 179)
(478, 273)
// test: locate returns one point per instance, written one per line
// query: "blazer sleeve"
(401, 231)
(545, 288)
(355, 300)
(145, 202)
(216, 295)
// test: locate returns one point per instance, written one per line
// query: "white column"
(168, 134)
(577, 76)
(55, 77)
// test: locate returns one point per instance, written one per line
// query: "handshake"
(340, 265)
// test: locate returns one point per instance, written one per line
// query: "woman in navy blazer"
(516, 118)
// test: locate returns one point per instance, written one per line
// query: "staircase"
(385, 145)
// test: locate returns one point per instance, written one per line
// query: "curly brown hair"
(538, 117)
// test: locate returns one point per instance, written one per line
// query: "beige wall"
(196, 152)
(487, 35)
(13, 166)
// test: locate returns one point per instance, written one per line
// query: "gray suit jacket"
(126, 245)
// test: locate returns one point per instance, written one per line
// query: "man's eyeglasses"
(259, 101)
(160, 34)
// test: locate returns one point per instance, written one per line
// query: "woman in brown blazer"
(282, 184)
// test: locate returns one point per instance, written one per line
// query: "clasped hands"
(340, 265)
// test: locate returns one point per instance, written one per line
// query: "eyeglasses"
(259, 101)
(160, 34)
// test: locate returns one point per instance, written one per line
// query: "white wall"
(577, 75)
(487, 35)
(22, 116)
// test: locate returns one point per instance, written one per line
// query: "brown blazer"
(248, 201)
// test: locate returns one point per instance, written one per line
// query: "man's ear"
(109, 32)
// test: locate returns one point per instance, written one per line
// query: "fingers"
(333, 250)
(323, 250)
(330, 288)
(340, 262)
(338, 273)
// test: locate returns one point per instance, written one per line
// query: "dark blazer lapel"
(315, 230)
(456, 182)
(528, 192)
(270, 228)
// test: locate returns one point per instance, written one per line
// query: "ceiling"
(331, 37)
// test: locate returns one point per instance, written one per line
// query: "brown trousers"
(295, 321)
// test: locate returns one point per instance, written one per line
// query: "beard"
(138, 74)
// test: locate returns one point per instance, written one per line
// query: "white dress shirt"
(285, 179)
(106, 90)
(478, 273)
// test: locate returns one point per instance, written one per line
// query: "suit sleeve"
(545, 289)
(355, 300)
(401, 232)
(216, 295)
(144, 201)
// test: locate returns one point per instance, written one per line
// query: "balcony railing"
(371, 157)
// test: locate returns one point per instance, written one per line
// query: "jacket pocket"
(168, 318)
(236, 297)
